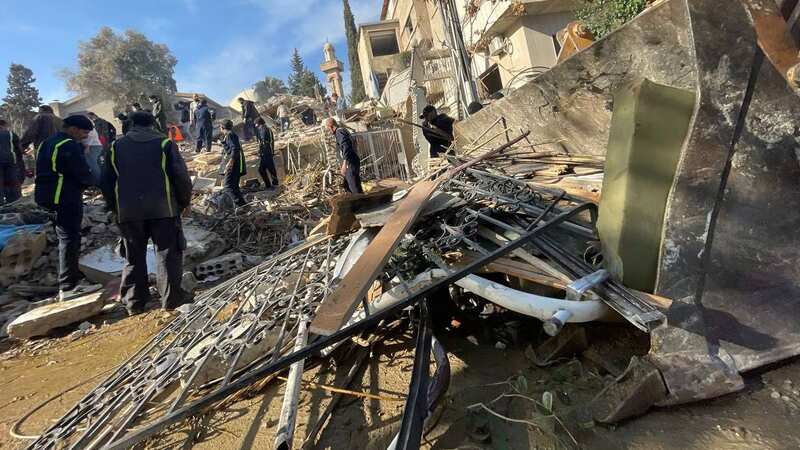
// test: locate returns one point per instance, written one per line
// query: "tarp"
(6, 231)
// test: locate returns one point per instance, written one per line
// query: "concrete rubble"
(631, 190)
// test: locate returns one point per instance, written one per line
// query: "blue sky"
(222, 46)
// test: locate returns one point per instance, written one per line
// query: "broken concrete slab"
(570, 341)
(104, 264)
(631, 395)
(41, 320)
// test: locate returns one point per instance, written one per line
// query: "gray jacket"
(145, 177)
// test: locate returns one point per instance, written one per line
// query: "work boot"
(80, 290)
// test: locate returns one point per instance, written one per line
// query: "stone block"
(40, 321)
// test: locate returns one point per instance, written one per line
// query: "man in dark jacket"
(249, 116)
(61, 177)
(159, 113)
(12, 167)
(266, 151)
(351, 164)
(147, 185)
(203, 125)
(440, 130)
(44, 126)
(233, 162)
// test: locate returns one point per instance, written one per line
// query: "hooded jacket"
(43, 127)
(61, 172)
(145, 177)
(249, 110)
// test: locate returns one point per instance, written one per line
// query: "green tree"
(122, 67)
(302, 81)
(21, 98)
(356, 82)
(269, 87)
(602, 17)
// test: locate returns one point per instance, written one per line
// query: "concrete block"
(648, 130)
(222, 266)
(630, 395)
(41, 320)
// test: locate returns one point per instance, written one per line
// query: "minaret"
(333, 69)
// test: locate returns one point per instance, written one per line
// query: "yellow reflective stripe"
(60, 183)
(167, 189)
(241, 160)
(11, 146)
(114, 165)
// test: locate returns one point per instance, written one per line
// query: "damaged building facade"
(625, 220)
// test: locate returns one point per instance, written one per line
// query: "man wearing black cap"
(439, 132)
(61, 177)
(147, 186)
(233, 161)
(249, 116)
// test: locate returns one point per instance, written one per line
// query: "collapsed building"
(637, 181)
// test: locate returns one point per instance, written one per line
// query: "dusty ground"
(764, 416)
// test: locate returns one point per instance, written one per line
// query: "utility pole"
(462, 61)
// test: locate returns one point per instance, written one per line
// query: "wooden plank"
(337, 308)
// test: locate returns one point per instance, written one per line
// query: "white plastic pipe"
(542, 308)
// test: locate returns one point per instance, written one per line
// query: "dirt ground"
(764, 416)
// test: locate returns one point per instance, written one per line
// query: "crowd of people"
(145, 182)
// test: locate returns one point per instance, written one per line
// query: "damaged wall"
(573, 100)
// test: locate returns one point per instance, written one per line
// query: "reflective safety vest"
(53, 160)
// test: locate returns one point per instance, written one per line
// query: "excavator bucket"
(727, 252)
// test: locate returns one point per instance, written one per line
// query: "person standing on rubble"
(438, 130)
(233, 162)
(44, 126)
(106, 132)
(159, 113)
(351, 164)
(283, 117)
(61, 177)
(340, 105)
(184, 111)
(12, 166)
(266, 152)
(147, 186)
(249, 116)
(203, 125)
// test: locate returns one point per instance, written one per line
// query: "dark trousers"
(267, 166)
(9, 183)
(352, 179)
(204, 135)
(169, 244)
(231, 185)
(249, 129)
(68, 230)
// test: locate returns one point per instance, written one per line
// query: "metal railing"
(382, 155)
